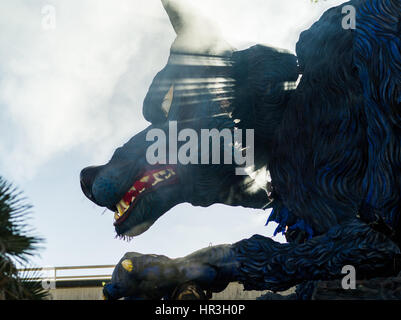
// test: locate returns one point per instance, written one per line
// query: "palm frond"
(17, 245)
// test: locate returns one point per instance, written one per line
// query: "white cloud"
(79, 84)
(277, 23)
(58, 87)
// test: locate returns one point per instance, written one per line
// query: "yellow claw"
(145, 179)
(127, 265)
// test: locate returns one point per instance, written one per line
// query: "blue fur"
(344, 159)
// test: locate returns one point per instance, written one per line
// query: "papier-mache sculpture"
(326, 127)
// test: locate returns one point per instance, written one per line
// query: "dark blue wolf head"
(206, 86)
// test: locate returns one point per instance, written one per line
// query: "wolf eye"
(168, 100)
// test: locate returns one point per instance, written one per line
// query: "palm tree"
(17, 245)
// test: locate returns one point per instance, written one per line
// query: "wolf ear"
(176, 14)
(195, 34)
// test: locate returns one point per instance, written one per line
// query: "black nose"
(87, 177)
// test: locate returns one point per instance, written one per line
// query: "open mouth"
(148, 182)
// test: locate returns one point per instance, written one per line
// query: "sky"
(71, 92)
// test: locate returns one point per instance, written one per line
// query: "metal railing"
(53, 273)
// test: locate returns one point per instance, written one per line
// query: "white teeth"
(122, 207)
(162, 176)
(120, 210)
(123, 204)
(157, 178)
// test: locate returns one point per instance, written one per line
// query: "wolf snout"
(87, 178)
